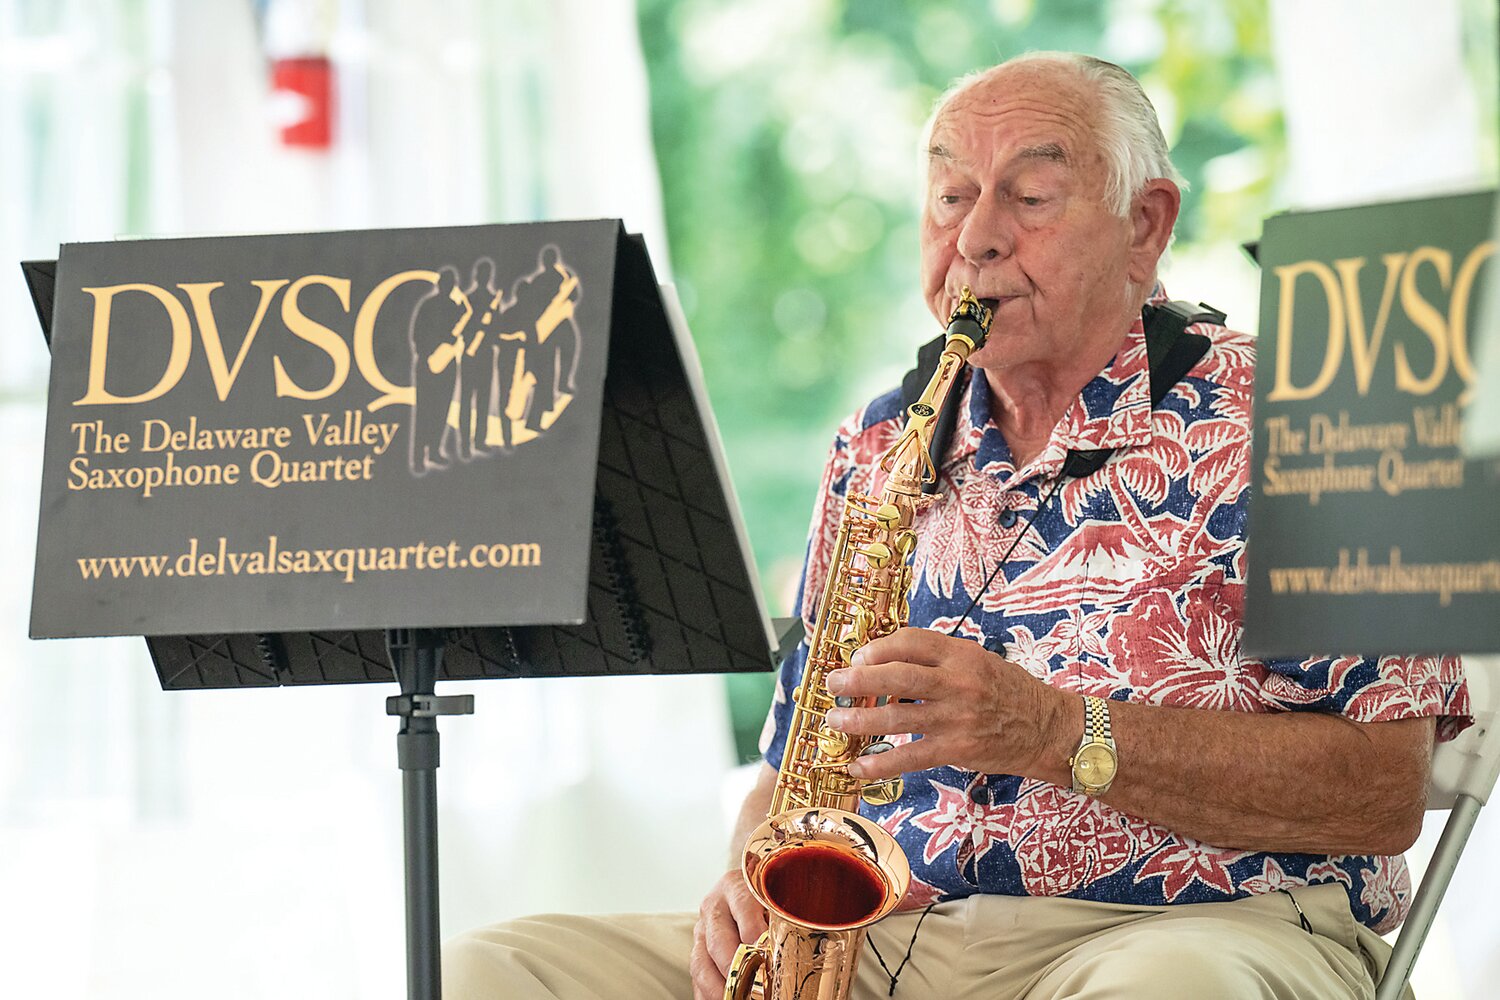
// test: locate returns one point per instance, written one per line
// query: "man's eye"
(1031, 201)
(948, 199)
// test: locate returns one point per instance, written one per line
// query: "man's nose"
(986, 235)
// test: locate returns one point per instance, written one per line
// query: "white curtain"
(247, 844)
(1380, 106)
(1378, 101)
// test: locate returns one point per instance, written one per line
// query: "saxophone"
(823, 872)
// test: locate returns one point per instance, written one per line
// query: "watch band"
(1096, 719)
(1096, 760)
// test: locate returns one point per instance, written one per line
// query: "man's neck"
(1027, 401)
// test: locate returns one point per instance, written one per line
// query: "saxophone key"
(833, 743)
(883, 793)
(906, 543)
(886, 790)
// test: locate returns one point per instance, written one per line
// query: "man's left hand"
(972, 708)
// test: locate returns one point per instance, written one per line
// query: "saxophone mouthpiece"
(970, 322)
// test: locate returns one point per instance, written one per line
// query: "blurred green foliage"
(1481, 33)
(787, 135)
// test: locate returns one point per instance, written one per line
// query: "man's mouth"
(994, 302)
(990, 300)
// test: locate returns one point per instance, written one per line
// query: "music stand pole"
(416, 657)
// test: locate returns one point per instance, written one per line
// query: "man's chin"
(991, 355)
(1006, 347)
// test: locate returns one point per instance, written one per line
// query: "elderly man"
(1246, 840)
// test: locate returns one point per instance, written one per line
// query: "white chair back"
(1469, 764)
(1463, 775)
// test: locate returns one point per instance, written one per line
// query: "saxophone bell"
(824, 876)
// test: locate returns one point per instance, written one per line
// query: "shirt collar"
(1112, 411)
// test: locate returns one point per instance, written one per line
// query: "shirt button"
(1007, 518)
(980, 793)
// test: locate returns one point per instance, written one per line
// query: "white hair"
(1125, 124)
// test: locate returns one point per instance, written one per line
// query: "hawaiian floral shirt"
(1129, 585)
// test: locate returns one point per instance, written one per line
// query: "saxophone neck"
(909, 461)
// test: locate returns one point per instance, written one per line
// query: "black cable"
(909, 946)
(979, 594)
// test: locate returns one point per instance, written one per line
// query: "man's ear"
(1153, 213)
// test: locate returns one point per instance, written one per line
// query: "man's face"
(1015, 210)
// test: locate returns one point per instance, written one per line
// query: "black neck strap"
(1171, 353)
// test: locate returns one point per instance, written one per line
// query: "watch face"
(1094, 765)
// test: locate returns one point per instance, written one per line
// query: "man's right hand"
(730, 916)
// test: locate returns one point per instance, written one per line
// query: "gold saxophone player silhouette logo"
(492, 367)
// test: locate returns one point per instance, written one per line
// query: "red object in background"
(302, 101)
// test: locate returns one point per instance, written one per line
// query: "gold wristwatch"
(1095, 761)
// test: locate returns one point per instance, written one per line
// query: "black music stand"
(671, 587)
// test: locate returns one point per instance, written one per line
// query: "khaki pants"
(979, 948)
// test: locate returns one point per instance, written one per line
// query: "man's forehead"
(1043, 111)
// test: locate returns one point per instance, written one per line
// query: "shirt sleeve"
(1370, 689)
(1360, 688)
